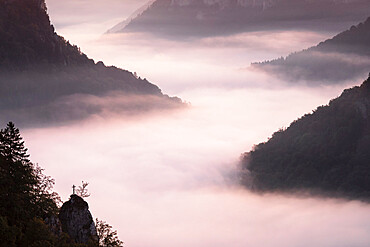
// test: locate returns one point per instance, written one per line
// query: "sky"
(170, 177)
(85, 18)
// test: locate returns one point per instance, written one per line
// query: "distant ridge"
(199, 18)
(344, 57)
(138, 12)
(45, 79)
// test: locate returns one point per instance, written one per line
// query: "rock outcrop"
(54, 224)
(77, 220)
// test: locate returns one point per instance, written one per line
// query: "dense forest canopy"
(28, 39)
(326, 152)
(26, 196)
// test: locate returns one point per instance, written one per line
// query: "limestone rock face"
(77, 220)
(54, 224)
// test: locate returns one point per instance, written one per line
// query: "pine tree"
(12, 145)
(25, 191)
(17, 178)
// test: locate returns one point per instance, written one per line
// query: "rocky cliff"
(77, 220)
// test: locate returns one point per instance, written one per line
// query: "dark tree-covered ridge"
(45, 79)
(29, 40)
(325, 152)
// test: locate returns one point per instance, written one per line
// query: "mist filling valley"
(170, 178)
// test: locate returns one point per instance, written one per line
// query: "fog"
(219, 62)
(170, 178)
(76, 107)
(315, 68)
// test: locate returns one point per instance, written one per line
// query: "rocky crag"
(77, 221)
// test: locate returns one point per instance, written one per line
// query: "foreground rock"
(77, 220)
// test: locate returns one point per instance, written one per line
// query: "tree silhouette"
(11, 144)
(25, 192)
(107, 237)
(82, 190)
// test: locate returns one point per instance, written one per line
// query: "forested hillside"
(325, 152)
(45, 79)
(344, 57)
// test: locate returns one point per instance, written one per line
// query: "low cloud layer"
(171, 179)
(316, 68)
(78, 107)
(343, 58)
(210, 62)
(213, 217)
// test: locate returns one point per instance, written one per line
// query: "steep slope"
(323, 152)
(43, 78)
(342, 58)
(222, 17)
